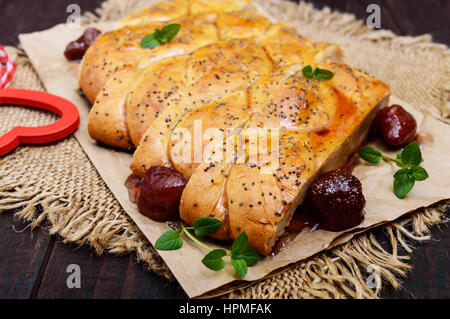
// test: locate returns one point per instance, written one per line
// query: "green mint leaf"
(403, 185)
(170, 31)
(170, 240)
(308, 72)
(158, 37)
(240, 266)
(206, 226)
(403, 174)
(411, 155)
(149, 41)
(419, 173)
(399, 158)
(323, 75)
(240, 244)
(370, 155)
(250, 256)
(214, 259)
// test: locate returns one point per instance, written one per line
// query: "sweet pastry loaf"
(234, 72)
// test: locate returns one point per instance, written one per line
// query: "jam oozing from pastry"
(160, 193)
(304, 217)
(75, 50)
(352, 161)
(396, 126)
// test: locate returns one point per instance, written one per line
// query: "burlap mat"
(58, 184)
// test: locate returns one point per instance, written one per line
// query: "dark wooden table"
(33, 264)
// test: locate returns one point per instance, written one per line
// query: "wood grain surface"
(34, 264)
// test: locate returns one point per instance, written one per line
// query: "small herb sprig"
(166, 34)
(409, 160)
(318, 74)
(241, 255)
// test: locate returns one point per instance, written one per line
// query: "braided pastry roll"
(231, 70)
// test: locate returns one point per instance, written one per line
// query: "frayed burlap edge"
(56, 190)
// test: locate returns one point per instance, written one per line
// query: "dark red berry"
(160, 193)
(337, 199)
(396, 126)
(75, 50)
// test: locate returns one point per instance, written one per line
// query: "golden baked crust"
(212, 72)
(228, 113)
(119, 48)
(107, 118)
(168, 10)
(197, 6)
(241, 24)
(159, 12)
(157, 87)
(109, 53)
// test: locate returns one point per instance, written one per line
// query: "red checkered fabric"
(7, 69)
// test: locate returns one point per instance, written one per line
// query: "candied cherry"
(75, 50)
(160, 193)
(396, 126)
(337, 200)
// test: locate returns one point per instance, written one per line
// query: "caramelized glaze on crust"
(213, 72)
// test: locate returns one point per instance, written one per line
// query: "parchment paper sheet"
(45, 49)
